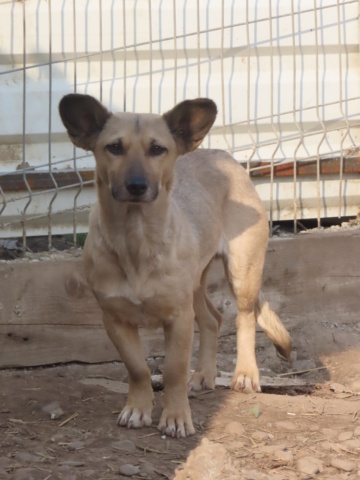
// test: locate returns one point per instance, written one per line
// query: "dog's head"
(135, 154)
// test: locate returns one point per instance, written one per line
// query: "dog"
(165, 210)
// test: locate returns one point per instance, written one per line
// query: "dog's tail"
(273, 327)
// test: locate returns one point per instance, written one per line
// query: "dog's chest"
(147, 279)
(142, 298)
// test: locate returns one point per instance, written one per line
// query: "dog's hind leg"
(209, 321)
(246, 286)
(243, 263)
(139, 405)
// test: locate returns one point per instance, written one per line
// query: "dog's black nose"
(136, 185)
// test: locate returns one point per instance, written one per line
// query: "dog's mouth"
(140, 200)
(123, 195)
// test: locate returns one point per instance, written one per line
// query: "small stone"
(129, 470)
(270, 449)
(147, 467)
(56, 414)
(88, 473)
(283, 456)
(125, 445)
(329, 432)
(355, 386)
(27, 457)
(71, 463)
(57, 438)
(16, 441)
(54, 410)
(254, 475)
(314, 427)
(260, 436)
(345, 436)
(76, 445)
(286, 425)
(209, 460)
(337, 447)
(353, 443)
(337, 387)
(326, 445)
(289, 476)
(346, 465)
(24, 474)
(50, 407)
(237, 445)
(310, 465)
(234, 428)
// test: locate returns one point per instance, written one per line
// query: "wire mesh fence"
(284, 74)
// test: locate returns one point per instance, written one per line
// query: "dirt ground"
(59, 423)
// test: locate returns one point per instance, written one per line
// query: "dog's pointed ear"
(84, 118)
(190, 121)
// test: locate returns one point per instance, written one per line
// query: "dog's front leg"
(139, 405)
(176, 420)
(209, 321)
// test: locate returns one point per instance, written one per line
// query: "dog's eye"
(156, 150)
(115, 148)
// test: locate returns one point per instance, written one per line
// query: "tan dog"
(163, 214)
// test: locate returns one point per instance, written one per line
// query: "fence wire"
(284, 74)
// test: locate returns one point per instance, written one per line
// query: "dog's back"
(219, 200)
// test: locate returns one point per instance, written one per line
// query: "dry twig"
(68, 419)
(288, 374)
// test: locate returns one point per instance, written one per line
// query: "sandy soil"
(59, 423)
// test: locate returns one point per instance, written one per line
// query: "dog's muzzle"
(136, 186)
(135, 190)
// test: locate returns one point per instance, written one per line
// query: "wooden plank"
(226, 378)
(48, 315)
(46, 293)
(307, 278)
(33, 345)
(13, 182)
(45, 181)
(314, 276)
(329, 166)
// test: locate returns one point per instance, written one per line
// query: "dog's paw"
(176, 424)
(131, 417)
(246, 382)
(202, 381)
